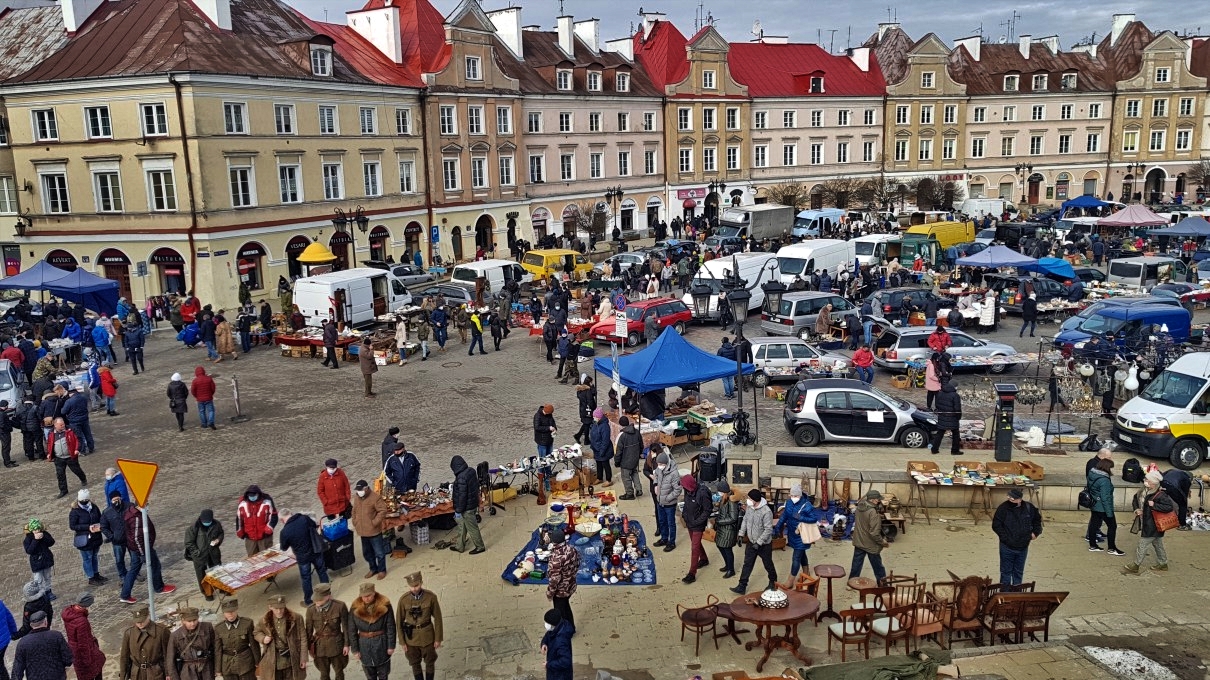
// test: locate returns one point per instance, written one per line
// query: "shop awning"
(113, 256)
(62, 259)
(252, 249)
(379, 231)
(166, 256)
(689, 203)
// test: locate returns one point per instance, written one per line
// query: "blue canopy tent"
(995, 257)
(90, 290)
(670, 361)
(1085, 201)
(1192, 227)
(34, 278)
(1051, 266)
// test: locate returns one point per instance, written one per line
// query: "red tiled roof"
(776, 70)
(986, 76)
(1124, 58)
(423, 33)
(662, 54)
(27, 36)
(1199, 62)
(364, 56)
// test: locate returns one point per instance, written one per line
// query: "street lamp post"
(721, 188)
(1134, 170)
(738, 295)
(1024, 170)
(701, 294)
(614, 196)
(343, 221)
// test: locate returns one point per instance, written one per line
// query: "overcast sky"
(801, 20)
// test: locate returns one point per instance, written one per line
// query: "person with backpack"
(1148, 501)
(1100, 487)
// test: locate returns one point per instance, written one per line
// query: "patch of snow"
(1130, 664)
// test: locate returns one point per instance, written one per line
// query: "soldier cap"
(188, 613)
(277, 601)
(414, 579)
(140, 613)
(231, 605)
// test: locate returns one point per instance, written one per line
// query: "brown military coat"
(327, 628)
(295, 640)
(235, 647)
(144, 654)
(192, 653)
(424, 615)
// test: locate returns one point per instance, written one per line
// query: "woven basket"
(900, 381)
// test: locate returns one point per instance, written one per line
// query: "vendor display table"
(594, 560)
(916, 367)
(393, 521)
(710, 426)
(288, 340)
(980, 502)
(800, 608)
(562, 458)
(263, 566)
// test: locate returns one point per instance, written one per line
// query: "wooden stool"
(899, 521)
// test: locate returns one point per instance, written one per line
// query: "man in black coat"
(628, 454)
(1017, 523)
(43, 654)
(31, 358)
(949, 414)
(1029, 315)
(299, 534)
(330, 336)
(544, 429)
(696, 514)
(466, 506)
(1177, 484)
(388, 444)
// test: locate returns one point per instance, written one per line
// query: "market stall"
(613, 548)
(996, 257)
(917, 366)
(234, 576)
(978, 477)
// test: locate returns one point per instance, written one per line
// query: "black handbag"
(319, 543)
(1085, 499)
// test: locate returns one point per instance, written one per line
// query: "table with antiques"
(829, 572)
(311, 340)
(713, 420)
(414, 506)
(980, 478)
(528, 468)
(916, 367)
(772, 609)
(233, 576)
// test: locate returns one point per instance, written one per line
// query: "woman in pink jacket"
(932, 379)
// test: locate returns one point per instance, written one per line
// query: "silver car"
(798, 312)
(785, 353)
(411, 275)
(623, 261)
(839, 409)
(896, 345)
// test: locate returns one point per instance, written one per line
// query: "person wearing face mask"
(757, 527)
(113, 528)
(726, 527)
(255, 517)
(202, 541)
(85, 520)
(556, 645)
(116, 481)
(696, 515)
(798, 510)
(333, 490)
(369, 509)
(666, 490)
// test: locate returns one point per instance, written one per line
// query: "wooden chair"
(907, 593)
(928, 622)
(895, 626)
(854, 628)
(877, 599)
(699, 620)
(1036, 613)
(892, 579)
(1002, 619)
(729, 629)
(964, 612)
(807, 583)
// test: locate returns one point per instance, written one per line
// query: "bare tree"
(794, 195)
(879, 193)
(934, 193)
(591, 217)
(841, 191)
(1198, 174)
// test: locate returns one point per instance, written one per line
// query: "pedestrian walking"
(1029, 315)
(365, 359)
(1017, 523)
(666, 488)
(628, 453)
(369, 509)
(43, 654)
(466, 507)
(1148, 501)
(144, 654)
(109, 390)
(586, 399)
(255, 518)
(797, 511)
(134, 338)
(178, 400)
(696, 515)
(949, 416)
(8, 629)
(600, 438)
(282, 633)
(330, 335)
(85, 521)
(556, 645)
(202, 388)
(727, 351)
(420, 627)
(235, 645)
(333, 490)
(371, 632)
(422, 336)
(37, 544)
(564, 563)
(191, 647)
(203, 545)
(726, 528)
(1100, 487)
(142, 551)
(298, 535)
(206, 333)
(327, 630)
(75, 412)
(757, 527)
(868, 540)
(113, 529)
(475, 325)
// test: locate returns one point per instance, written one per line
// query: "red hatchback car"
(668, 312)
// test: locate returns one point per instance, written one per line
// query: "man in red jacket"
(940, 340)
(333, 489)
(255, 517)
(189, 309)
(63, 448)
(203, 390)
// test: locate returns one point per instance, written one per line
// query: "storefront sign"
(654, 202)
(220, 253)
(682, 194)
(202, 253)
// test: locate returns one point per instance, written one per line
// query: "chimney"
(649, 21)
(589, 31)
(508, 26)
(76, 12)
(379, 26)
(622, 46)
(1120, 22)
(567, 41)
(1023, 45)
(973, 44)
(1051, 42)
(861, 57)
(531, 27)
(1089, 49)
(886, 26)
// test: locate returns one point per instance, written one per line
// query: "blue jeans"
(666, 520)
(205, 411)
(868, 328)
(441, 335)
(865, 374)
(930, 321)
(729, 385)
(798, 561)
(111, 404)
(119, 558)
(1012, 565)
(859, 557)
(245, 342)
(1031, 325)
(476, 338)
(375, 549)
(304, 570)
(544, 450)
(83, 430)
(89, 557)
(136, 565)
(211, 352)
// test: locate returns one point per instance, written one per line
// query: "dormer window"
(563, 80)
(1069, 81)
(473, 71)
(321, 60)
(1162, 75)
(594, 81)
(1011, 83)
(816, 84)
(621, 82)
(1039, 82)
(926, 80)
(708, 80)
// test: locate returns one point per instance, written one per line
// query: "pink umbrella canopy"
(1134, 215)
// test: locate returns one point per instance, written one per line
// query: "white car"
(985, 236)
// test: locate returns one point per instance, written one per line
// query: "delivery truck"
(768, 220)
(353, 296)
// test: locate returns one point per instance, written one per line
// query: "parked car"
(673, 249)
(723, 245)
(10, 383)
(1072, 322)
(409, 274)
(971, 248)
(798, 311)
(985, 236)
(454, 294)
(1045, 289)
(770, 352)
(840, 409)
(622, 261)
(896, 345)
(1089, 274)
(891, 301)
(669, 312)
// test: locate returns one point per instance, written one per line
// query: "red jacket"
(109, 384)
(863, 358)
(333, 491)
(255, 520)
(133, 518)
(939, 342)
(202, 387)
(14, 355)
(87, 657)
(189, 310)
(73, 445)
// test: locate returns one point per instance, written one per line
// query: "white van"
(753, 268)
(1145, 273)
(978, 207)
(497, 273)
(1170, 418)
(813, 222)
(802, 259)
(869, 249)
(353, 296)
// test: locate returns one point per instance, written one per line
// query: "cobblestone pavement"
(481, 407)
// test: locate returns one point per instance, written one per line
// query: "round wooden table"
(862, 582)
(801, 607)
(829, 572)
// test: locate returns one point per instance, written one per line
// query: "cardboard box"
(673, 440)
(775, 392)
(572, 484)
(1032, 470)
(708, 534)
(502, 495)
(922, 466)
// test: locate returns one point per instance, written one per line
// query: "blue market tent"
(996, 256)
(1051, 266)
(34, 278)
(90, 290)
(1192, 227)
(1085, 201)
(668, 362)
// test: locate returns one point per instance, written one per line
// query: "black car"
(892, 301)
(1012, 233)
(1089, 274)
(1045, 289)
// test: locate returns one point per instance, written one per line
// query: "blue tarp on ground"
(1052, 266)
(590, 559)
(95, 293)
(34, 278)
(670, 361)
(996, 256)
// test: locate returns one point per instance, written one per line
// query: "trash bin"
(707, 466)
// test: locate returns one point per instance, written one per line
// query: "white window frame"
(159, 119)
(530, 120)
(684, 160)
(110, 173)
(708, 79)
(403, 122)
(474, 68)
(1065, 143)
(537, 171)
(924, 151)
(816, 118)
(155, 174)
(451, 174)
(842, 152)
(567, 166)
(789, 119)
(978, 147)
(56, 193)
(844, 117)
(870, 117)
(789, 155)
(563, 80)
(372, 119)
(474, 120)
(949, 114)
(650, 166)
(8, 195)
(479, 175)
(504, 120)
(289, 183)
(1012, 83)
(596, 165)
(903, 114)
(760, 156)
(1067, 112)
(241, 184)
(816, 85)
(1068, 81)
(330, 126)
(1159, 107)
(371, 178)
(1008, 146)
(710, 159)
(284, 119)
(979, 114)
(1152, 145)
(949, 149)
(566, 122)
(1094, 110)
(710, 118)
(507, 172)
(648, 121)
(1037, 112)
(623, 121)
(1163, 74)
(235, 118)
(928, 80)
(732, 114)
(901, 150)
(332, 176)
(816, 152)
(1037, 144)
(867, 152)
(1040, 82)
(684, 119)
(621, 82)
(733, 158)
(926, 114)
(1092, 142)
(1185, 106)
(760, 120)
(407, 176)
(594, 121)
(623, 164)
(594, 81)
(1183, 141)
(1128, 137)
(1009, 114)
(447, 120)
(1134, 108)
(321, 60)
(45, 125)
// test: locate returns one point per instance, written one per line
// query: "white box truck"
(354, 296)
(767, 220)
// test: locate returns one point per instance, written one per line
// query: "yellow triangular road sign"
(140, 476)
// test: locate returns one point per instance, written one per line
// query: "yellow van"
(543, 263)
(947, 233)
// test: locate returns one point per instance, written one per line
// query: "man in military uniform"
(144, 654)
(420, 627)
(191, 648)
(327, 633)
(372, 632)
(282, 633)
(235, 646)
